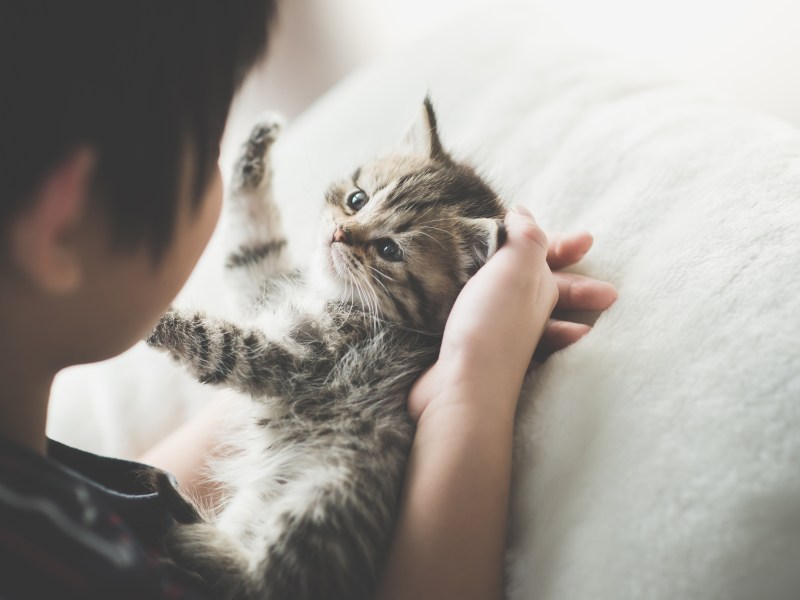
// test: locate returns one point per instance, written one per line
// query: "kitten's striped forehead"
(409, 187)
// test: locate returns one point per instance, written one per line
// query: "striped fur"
(328, 359)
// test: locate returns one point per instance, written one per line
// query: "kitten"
(328, 358)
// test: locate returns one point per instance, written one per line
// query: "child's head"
(111, 116)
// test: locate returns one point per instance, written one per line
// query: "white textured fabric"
(659, 457)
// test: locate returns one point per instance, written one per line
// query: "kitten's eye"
(356, 200)
(388, 250)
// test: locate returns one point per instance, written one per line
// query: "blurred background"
(745, 50)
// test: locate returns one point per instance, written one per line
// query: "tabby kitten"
(328, 358)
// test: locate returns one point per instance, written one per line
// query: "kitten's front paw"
(171, 333)
(265, 131)
(252, 166)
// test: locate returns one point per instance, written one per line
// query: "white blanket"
(659, 457)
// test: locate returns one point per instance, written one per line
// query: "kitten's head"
(402, 235)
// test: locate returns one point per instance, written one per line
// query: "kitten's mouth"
(338, 261)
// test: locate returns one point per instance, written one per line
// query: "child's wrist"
(448, 423)
(459, 390)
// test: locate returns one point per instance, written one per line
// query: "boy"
(111, 118)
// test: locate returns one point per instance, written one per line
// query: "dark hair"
(142, 82)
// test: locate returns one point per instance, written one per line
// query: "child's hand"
(502, 314)
(450, 535)
(575, 292)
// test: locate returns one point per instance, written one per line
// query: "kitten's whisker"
(360, 295)
(351, 299)
(364, 297)
(378, 281)
(373, 304)
(384, 275)
(373, 301)
(356, 279)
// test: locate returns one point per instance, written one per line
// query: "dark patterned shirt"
(77, 525)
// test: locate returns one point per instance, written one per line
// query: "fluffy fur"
(328, 358)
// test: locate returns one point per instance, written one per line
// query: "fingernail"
(521, 210)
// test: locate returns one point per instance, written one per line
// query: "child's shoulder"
(77, 525)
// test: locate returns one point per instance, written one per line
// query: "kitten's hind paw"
(214, 556)
(252, 165)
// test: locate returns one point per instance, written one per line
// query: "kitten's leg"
(255, 241)
(219, 559)
(321, 541)
(199, 547)
(326, 538)
(244, 359)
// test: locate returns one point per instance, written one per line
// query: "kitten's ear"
(422, 137)
(482, 238)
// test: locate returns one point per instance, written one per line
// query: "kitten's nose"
(341, 235)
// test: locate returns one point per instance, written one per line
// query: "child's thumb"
(523, 230)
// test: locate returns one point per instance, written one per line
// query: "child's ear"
(43, 236)
(423, 136)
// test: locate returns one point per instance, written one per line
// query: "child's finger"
(557, 336)
(576, 292)
(565, 249)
